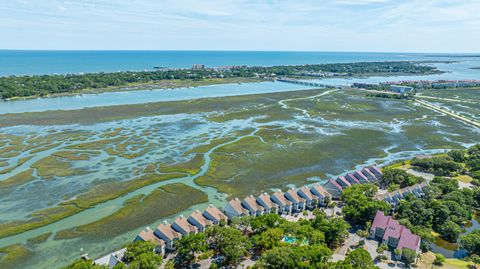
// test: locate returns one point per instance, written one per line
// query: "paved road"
(467, 101)
(448, 112)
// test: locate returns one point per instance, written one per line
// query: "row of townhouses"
(165, 234)
(289, 202)
(394, 197)
(365, 175)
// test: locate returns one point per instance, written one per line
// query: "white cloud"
(364, 25)
(360, 2)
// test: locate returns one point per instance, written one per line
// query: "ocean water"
(16, 62)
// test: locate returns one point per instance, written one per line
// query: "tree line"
(42, 85)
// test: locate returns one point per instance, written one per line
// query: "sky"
(293, 25)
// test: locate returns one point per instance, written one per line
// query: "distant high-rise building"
(198, 66)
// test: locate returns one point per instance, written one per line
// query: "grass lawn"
(426, 261)
(464, 178)
(404, 165)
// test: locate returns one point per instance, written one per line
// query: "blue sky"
(314, 25)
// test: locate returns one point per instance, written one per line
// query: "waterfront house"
(352, 179)
(400, 89)
(321, 193)
(198, 220)
(214, 215)
(334, 189)
(284, 206)
(165, 232)
(298, 203)
(265, 201)
(254, 209)
(343, 182)
(395, 236)
(367, 173)
(363, 179)
(148, 235)
(111, 259)
(182, 226)
(376, 171)
(306, 194)
(234, 209)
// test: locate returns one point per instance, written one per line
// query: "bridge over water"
(307, 83)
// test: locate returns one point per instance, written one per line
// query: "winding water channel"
(167, 133)
(107, 208)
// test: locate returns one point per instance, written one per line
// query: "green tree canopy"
(409, 255)
(187, 246)
(361, 206)
(136, 248)
(360, 259)
(334, 229)
(398, 177)
(294, 256)
(264, 222)
(471, 242)
(229, 243)
(269, 239)
(84, 264)
(141, 255)
(147, 260)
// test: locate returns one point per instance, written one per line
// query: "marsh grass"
(19, 163)
(339, 131)
(52, 166)
(201, 149)
(139, 211)
(191, 167)
(13, 256)
(120, 112)
(44, 148)
(101, 193)
(39, 239)
(98, 144)
(75, 156)
(251, 166)
(18, 179)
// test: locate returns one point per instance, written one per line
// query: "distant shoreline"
(455, 56)
(160, 85)
(20, 87)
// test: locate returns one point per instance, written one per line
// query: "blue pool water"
(288, 239)
(292, 240)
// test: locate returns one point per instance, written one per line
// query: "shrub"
(439, 259)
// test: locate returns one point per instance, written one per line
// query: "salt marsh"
(83, 166)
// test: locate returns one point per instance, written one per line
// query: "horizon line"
(226, 50)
